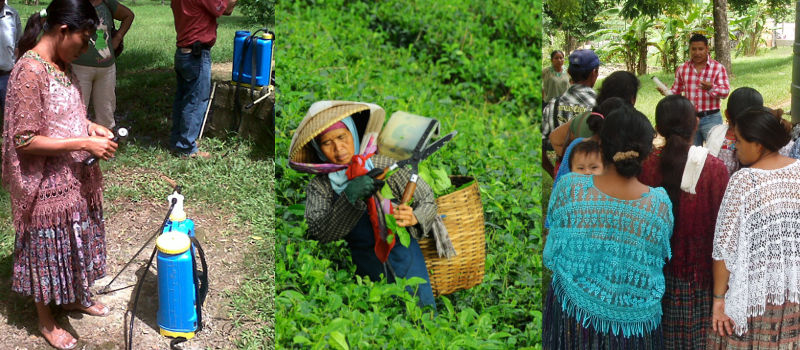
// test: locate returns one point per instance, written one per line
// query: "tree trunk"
(641, 66)
(722, 47)
(570, 43)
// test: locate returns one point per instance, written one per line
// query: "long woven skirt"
(61, 263)
(562, 331)
(777, 328)
(687, 313)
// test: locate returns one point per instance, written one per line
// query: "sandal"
(97, 309)
(59, 338)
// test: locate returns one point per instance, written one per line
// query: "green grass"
(239, 178)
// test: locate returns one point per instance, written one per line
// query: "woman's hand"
(720, 322)
(99, 130)
(100, 146)
(404, 216)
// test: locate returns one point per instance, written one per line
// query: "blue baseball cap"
(583, 60)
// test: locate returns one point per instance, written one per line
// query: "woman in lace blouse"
(609, 239)
(757, 243)
(59, 250)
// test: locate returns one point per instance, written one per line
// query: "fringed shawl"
(46, 191)
(606, 255)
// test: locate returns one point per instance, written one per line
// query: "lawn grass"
(240, 177)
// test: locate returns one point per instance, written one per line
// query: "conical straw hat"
(322, 115)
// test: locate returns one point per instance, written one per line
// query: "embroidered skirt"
(561, 331)
(777, 328)
(62, 262)
(687, 313)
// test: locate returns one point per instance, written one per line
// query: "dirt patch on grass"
(221, 71)
(129, 224)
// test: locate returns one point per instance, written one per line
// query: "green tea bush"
(486, 88)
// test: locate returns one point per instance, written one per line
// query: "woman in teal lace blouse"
(609, 239)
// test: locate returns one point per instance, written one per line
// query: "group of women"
(666, 249)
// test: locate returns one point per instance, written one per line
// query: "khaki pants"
(98, 84)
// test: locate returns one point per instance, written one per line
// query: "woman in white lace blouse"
(757, 243)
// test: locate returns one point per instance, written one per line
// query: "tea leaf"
(338, 341)
(391, 224)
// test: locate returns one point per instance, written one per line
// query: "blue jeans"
(3, 90)
(704, 127)
(404, 262)
(191, 99)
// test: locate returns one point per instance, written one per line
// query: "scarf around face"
(360, 165)
(338, 178)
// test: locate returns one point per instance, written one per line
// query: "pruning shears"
(416, 156)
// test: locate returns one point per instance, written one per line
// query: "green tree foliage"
(574, 17)
(751, 19)
(777, 7)
(259, 12)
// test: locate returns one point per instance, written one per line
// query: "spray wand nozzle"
(176, 200)
(120, 135)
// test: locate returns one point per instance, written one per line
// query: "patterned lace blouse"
(758, 237)
(46, 190)
(607, 255)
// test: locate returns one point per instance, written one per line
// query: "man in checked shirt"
(704, 82)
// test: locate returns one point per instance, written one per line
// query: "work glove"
(363, 186)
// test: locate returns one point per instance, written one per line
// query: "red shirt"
(693, 234)
(196, 20)
(687, 81)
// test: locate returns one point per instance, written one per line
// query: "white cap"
(177, 214)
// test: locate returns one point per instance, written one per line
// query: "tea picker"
(181, 287)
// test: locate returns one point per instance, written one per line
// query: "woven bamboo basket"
(463, 217)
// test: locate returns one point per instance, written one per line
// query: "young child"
(585, 159)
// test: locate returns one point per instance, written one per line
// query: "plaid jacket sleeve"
(423, 202)
(721, 87)
(677, 84)
(329, 219)
(332, 219)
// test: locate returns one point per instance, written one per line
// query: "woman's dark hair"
(622, 84)
(629, 135)
(741, 100)
(553, 54)
(675, 121)
(594, 121)
(760, 125)
(76, 14)
(621, 88)
(584, 147)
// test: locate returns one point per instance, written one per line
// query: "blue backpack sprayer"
(182, 288)
(252, 65)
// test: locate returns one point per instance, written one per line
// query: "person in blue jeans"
(196, 28)
(703, 81)
(10, 32)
